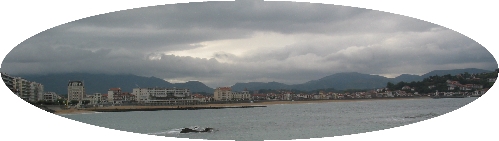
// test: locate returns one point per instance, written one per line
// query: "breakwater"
(168, 108)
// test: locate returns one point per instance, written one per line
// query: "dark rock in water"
(189, 130)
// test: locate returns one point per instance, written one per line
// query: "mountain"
(100, 83)
(343, 81)
(351, 80)
(454, 72)
(259, 85)
(194, 86)
(407, 78)
(410, 77)
(340, 81)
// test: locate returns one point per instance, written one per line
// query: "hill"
(350, 80)
(100, 83)
(453, 72)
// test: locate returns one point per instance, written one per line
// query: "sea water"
(278, 122)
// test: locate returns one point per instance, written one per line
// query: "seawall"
(162, 108)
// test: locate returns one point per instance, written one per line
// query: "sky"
(223, 43)
(471, 18)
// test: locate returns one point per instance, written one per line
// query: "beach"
(215, 106)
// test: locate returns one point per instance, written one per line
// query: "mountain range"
(100, 83)
(351, 80)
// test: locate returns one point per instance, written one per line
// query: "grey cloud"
(44, 54)
(144, 39)
(282, 17)
(174, 27)
(384, 52)
(331, 39)
(166, 66)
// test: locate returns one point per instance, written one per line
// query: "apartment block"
(76, 90)
(26, 90)
(147, 94)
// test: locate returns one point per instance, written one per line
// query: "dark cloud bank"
(322, 40)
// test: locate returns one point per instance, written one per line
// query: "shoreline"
(215, 106)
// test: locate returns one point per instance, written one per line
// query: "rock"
(189, 130)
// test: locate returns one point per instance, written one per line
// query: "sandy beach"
(264, 103)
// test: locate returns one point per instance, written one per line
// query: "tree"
(390, 86)
(73, 102)
(85, 102)
(61, 101)
(399, 85)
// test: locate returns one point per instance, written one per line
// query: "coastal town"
(461, 85)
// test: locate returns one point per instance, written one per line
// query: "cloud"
(222, 43)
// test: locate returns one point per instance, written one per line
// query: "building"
(259, 97)
(141, 94)
(222, 94)
(76, 90)
(9, 81)
(243, 95)
(50, 97)
(338, 96)
(323, 95)
(114, 95)
(26, 90)
(226, 94)
(199, 97)
(104, 98)
(147, 94)
(36, 90)
(491, 80)
(96, 98)
(127, 97)
(287, 96)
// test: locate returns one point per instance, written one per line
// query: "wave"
(172, 131)
(430, 115)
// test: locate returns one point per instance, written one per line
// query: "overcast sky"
(221, 43)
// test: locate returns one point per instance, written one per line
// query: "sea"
(278, 122)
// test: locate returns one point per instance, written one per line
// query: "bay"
(278, 122)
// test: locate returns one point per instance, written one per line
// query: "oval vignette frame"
(469, 105)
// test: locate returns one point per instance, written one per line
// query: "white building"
(96, 98)
(287, 96)
(199, 98)
(50, 96)
(243, 95)
(76, 90)
(9, 81)
(26, 90)
(37, 90)
(492, 80)
(114, 95)
(222, 94)
(142, 94)
(148, 94)
(226, 93)
(31, 91)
